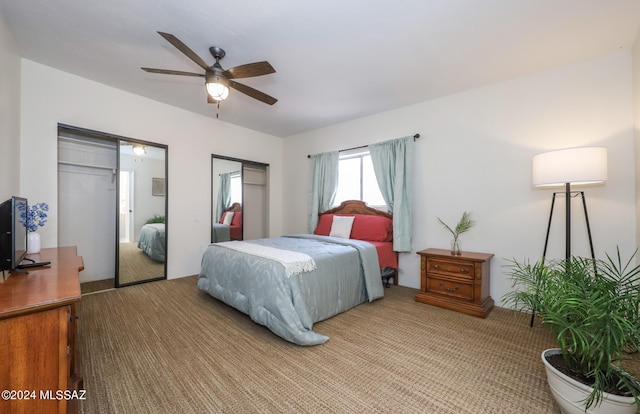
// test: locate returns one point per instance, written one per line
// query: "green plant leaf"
(592, 307)
(463, 225)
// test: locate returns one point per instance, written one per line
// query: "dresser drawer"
(456, 289)
(453, 268)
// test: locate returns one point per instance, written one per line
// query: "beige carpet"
(165, 347)
(136, 266)
(97, 286)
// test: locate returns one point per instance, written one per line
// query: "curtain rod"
(416, 136)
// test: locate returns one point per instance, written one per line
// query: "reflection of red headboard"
(357, 207)
(235, 207)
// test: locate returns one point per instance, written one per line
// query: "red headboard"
(357, 207)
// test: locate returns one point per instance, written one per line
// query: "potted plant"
(463, 225)
(157, 218)
(33, 217)
(592, 308)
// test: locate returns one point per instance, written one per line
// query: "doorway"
(126, 206)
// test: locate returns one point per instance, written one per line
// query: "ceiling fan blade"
(172, 72)
(249, 70)
(254, 93)
(184, 49)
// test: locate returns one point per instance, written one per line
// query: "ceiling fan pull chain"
(218, 110)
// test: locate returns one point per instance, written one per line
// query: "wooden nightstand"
(459, 283)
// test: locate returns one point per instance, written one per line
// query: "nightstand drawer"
(456, 289)
(454, 268)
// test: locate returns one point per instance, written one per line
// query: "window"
(357, 181)
(236, 188)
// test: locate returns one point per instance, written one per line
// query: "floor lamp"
(567, 167)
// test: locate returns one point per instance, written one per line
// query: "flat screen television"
(13, 232)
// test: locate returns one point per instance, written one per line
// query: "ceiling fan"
(217, 80)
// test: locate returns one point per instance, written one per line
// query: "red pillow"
(372, 228)
(237, 219)
(324, 225)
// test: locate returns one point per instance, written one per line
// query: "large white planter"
(570, 394)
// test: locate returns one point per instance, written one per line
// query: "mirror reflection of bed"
(142, 249)
(136, 266)
(229, 226)
(143, 259)
(239, 207)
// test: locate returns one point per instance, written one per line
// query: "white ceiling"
(335, 60)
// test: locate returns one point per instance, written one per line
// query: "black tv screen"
(13, 232)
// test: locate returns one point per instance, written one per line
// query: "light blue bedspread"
(152, 241)
(220, 233)
(346, 275)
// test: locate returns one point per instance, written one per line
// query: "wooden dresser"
(459, 283)
(40, 363)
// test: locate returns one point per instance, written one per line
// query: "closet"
(254, 191)
(112, 205)
(87, 167)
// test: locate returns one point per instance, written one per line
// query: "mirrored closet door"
(142, 212)
(112, 202)
(239, 199)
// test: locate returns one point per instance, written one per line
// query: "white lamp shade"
(585, 165)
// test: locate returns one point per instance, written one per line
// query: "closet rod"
(88, 141)
(77, 164)
(416, 136)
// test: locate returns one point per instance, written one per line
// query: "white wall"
(636, 102)
(9, 114)
(475, 154)
(50, 97)
(146, 205)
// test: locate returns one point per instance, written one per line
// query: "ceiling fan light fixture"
(217, 80)
(217, 87)
(139, 150)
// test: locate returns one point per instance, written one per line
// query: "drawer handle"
(453, 289)
(464, 270)
(435, 265)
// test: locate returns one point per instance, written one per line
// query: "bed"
(152, 241)
(229, 227)
(289, 283)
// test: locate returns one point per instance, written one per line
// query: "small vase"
(455, 247)
(33, 243)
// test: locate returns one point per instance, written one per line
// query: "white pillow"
(228, 216)
(341, 226)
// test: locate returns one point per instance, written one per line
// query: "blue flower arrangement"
(34, 216)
